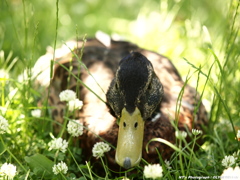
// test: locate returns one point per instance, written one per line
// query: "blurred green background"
(175, 28)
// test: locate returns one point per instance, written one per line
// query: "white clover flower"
(58, 144)
(228, 161)
(153, 171)
(8, 170)
(167, 164)
(238, 135)
(74, 104)
(60, 168)
(3, 125)
(196, 132)
(36, 113)
(75, 128)
(180, 134)
(100, 148)
(231, 173)
(67, 95)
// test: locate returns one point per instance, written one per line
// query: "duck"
(130, 95)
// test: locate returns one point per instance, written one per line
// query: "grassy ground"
(201, 37)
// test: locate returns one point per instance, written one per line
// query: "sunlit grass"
(211, 60)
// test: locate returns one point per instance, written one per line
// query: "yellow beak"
(130, 139)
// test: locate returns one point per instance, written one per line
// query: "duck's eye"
(136, 124)
(124, 124)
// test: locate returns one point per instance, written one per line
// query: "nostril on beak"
(127, 163)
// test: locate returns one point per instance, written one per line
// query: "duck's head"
(133, 96)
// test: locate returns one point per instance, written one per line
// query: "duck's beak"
(130, 139)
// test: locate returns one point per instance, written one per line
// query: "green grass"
(201, 38)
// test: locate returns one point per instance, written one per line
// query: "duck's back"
(95, 66)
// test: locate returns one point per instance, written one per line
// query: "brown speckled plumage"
(102, 62)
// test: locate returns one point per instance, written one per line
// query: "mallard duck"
(130, 96)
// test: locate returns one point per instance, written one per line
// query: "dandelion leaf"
(41, 165)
